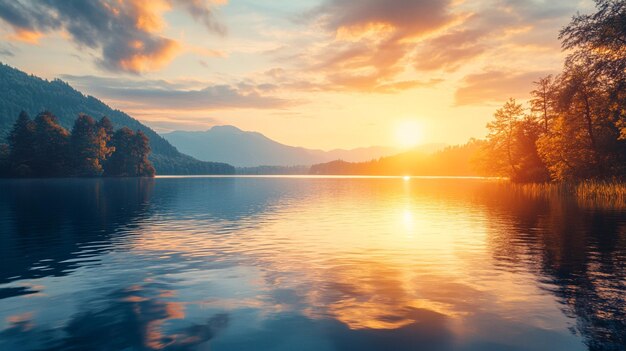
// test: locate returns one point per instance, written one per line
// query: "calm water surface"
(307, 264)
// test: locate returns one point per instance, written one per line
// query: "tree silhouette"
(542, 102)
(51, 147)
(21, 143)
(140, 151)
(599, 40)
(4, 160)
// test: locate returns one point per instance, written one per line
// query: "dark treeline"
(451, 161)
(574, 127)
(273, 170)
(43, 148)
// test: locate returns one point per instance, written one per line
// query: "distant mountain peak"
(227, 143)
(226, 128)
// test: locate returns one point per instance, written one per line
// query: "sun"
(408, 133)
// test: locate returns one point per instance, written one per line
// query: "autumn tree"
(105, 124)
(543, 100)
(530, 166)
(88, 147)
(499, 149)
(130, 158)
(597, 42)
(42, 148)
(140, 152)
(582, 141)
(51, 147)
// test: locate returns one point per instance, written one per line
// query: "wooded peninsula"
(43, 148)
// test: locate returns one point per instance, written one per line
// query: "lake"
(297, 263)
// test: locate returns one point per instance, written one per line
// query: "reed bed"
(598, 194)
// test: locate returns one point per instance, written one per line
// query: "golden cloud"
(128, 33)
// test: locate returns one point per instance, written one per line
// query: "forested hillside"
(451, 161)
(32, 94)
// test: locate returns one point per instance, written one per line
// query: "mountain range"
(214, 151)
(21, 91)
(251, 149)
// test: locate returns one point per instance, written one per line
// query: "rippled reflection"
(307, 263)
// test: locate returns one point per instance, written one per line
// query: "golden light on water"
(354, 256)
(404, 269)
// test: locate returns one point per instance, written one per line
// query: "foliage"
(130, 158)
(44, 148)
(542, 101)
(273, 170)
(510, 149)
(21, 143)
(21, 91)
(598, 40)
(576, 127)
(4, 160)
(51, 147)
(89, 146)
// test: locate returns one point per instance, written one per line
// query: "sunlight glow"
(408, 133)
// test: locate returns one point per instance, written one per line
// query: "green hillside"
(21, 91)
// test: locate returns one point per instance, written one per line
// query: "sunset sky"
(320, 74)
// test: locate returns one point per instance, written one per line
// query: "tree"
(140, 152)
(511, 146)
(43, 148)
(21, 145)
(530, 166)
(130, 158)
(118, 164)
(4, 160)
(543, 98)
(107, 126)
(500, 145)
(599, 40)
(51, 154)
(88, 146)
(585, 142)
(578, 127)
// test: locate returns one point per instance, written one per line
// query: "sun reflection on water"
(381, 259)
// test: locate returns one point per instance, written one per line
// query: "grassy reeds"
(598, 194)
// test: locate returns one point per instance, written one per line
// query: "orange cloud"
(142, 60)
(148, 15)
(26, 36)
(371, 43)
(495, 86)
(128, 33)
(450, 50)
(378, 45)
